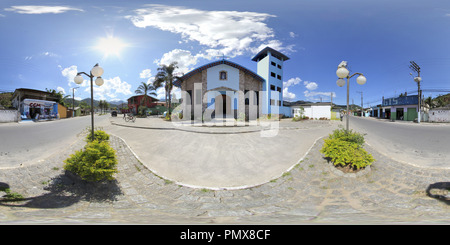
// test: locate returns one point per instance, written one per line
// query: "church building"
(224, 89)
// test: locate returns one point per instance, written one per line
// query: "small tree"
(96, 162)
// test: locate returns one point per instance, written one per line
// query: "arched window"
(223, 75)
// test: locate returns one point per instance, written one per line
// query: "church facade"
(224, 89)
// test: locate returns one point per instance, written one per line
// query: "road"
(31, 142)
(422, 145)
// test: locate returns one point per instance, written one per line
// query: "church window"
(223, 75)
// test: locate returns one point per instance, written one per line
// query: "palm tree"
(144, 89)
(165, 77)
(429, 102)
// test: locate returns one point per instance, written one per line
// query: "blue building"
(270, 67)
(398, 108)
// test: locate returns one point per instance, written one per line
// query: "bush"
(346, 153)
(98, 135)
(349, 136)
(95, 163)
(345, 149)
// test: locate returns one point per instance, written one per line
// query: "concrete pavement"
(219, 157)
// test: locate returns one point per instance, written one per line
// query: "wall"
(62, 111)
(9, 116)
(439, 115)
(318, 111)
(214, 81)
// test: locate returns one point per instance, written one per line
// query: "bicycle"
(129, 117)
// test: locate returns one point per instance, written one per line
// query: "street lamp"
(96, 71)
(342, 73)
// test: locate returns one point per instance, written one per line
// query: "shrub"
(349, 136)
(99, 135)
(346, 153)
(95, 163)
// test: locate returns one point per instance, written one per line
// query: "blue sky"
(44, 43)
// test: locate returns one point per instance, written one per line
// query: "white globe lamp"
(340, 82)
(97, 71)
(342, 72)
(361, 80)
(78, 79)
(99, 81)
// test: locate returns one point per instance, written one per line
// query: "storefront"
(38, 109)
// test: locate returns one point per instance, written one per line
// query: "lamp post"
(342, 73)
(96, 71)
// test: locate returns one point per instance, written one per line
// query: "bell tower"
(270, 67)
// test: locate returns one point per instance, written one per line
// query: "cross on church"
(223, 57)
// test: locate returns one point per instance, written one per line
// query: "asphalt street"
(423, 145)
(31, 142)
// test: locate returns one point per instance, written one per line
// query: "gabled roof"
(216, 63)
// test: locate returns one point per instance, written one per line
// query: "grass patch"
(11, 196)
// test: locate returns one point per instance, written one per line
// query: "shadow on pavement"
(67, 189)
(440, 191)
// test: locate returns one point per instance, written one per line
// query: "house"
(311, 110)
(35, 104)
(318, 110)
(440, 114)
(224, 89)
(397, 108)
(138, 100)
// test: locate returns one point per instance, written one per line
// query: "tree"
(145, 89)
(165, 77)
(5, 100)
(429, 102)
(100, 105)
(60, 98)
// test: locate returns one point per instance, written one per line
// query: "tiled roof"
(212, 64)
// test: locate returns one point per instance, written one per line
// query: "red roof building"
(135, 101)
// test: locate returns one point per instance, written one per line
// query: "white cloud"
(288, 95)
(292, 81)
(185, 60)
(146, 73)
(36, 9)
(69, 73)
(292, 34)
(110, 89)
(310, 85)
(228, 33)
(61, 89)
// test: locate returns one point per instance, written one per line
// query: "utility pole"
(73, 101)
(417, 79)
(362, 107)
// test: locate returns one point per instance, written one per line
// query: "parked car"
(114, 113)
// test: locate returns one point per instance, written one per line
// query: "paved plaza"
(311, 192)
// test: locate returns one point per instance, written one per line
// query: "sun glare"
(111, 46)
